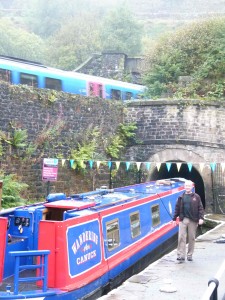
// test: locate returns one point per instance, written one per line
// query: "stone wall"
(42, 113)
(114, 65)
(168, 131)
(182, 131)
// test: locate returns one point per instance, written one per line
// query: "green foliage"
(198, 51)
(18, 139)
(121, 31)
(20, 43)
(121, 139)
(115, 146)
(77, 40)
(11, 191)
(86, 149)
(48, 134)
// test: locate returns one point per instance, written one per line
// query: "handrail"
(212, 291)
(42, 266)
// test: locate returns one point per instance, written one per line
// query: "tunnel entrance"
(184, 172)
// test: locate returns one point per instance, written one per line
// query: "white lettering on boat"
(84, 237)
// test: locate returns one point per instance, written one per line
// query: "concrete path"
(166, 279)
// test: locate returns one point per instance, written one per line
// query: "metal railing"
(42, 267)
(212, 291)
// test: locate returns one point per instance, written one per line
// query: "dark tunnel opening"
(184, 172)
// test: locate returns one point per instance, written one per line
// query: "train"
(21, 71)
(83, 245)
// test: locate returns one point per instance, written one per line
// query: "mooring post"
(214, 295)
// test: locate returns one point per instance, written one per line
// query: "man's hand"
(175, 223)
(200, 222)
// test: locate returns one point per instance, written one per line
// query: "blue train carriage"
(19, 71)
(87, 243)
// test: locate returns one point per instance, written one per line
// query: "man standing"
(190, 211)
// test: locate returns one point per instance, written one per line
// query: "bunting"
(110, 164)
(148, 164)
(117, 164)
(138, 163)
(189, 166)
(213, 166)
(71, 162)
(127, 165)
(158, 165)
(178, 166)
(91, 163)
(98, 162)
(168, 165)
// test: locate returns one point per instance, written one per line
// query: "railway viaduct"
(185, 133)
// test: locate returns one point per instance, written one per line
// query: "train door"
(95, 89)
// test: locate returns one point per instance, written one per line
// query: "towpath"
(166, 279)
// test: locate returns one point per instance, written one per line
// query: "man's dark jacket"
(197, 209)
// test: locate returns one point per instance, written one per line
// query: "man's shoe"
(180, 258)
(189, 258)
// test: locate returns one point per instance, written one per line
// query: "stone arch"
(202, 180)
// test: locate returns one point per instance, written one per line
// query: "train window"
(113, 234)
(135, 224)
(28, 79)
(5, 75)
(155, 215)
(128, 95)
(53, 84)
(116, 94)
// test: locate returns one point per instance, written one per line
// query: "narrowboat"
(83, 245)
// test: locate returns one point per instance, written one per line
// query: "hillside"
(181, 9)
(159, 16)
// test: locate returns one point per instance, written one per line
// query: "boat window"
(135, 224)
(113, 234)
(53, 84)
(155, 215)
(28, 79)
(128, 96)
(116, 94)
(5, 75)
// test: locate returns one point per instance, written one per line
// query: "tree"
(121, 31)
(196, 51)
(75, 42)
(18, 42)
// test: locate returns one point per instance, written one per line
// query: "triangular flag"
(63, 162)
(148, 165)
(109, 164)
(91, 163)
(158, 165)
(117, 164)
(178, 166)
(168, 165)
(189, 166)
(71, 162)
(127, 165)
(213, 166)
(98, 163)
(201, 165)
(222, 166)
(138, 163)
